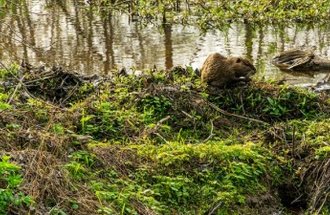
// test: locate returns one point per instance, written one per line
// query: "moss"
(322, 152)
(164, 143)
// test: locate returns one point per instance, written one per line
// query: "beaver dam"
(161, 143)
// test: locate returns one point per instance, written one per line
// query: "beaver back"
(218, 70)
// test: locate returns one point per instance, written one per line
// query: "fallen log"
(299, 60)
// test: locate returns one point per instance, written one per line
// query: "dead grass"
(42, 153)
(49, 186)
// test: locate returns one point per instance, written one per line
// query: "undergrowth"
(210, 13)
(163, 143)
(10, 180)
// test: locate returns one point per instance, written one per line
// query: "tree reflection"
(75, 35)
(249, 31)
(168, 46)
(108, 35)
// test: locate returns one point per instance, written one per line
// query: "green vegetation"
(10, 180)
(164, 143)
(211, 13)
(205, 13)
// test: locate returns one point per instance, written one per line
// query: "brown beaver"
(218, 71)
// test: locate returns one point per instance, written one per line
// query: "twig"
(16, 88)
(187, 114)
(40, 79)
(43, 101)
(324, 201)
(154, 129)
(234, 115)
(242, 103)
(321, 191)
(162, 120)
(161, 137)
(294, 142)
(8, 70)
(69, 95)
(215, 208)
(297, 199)
(63, 81)
(211, 133)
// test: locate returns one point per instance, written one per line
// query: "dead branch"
(234, 115)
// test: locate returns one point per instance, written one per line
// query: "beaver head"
(240, 67)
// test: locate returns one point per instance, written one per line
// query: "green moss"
(154, 143)
(187, 177)
(323, 152)
(309, 133)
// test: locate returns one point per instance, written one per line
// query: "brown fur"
(219, 71)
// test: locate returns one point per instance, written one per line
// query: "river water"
(72, 35)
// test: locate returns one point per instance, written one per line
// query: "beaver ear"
(238, 60)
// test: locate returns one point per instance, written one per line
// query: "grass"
(210, 13)
(164, 143)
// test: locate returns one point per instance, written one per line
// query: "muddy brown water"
(72, 35)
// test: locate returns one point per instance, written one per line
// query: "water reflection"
(168, 46)
(248, 40)
(71, 34)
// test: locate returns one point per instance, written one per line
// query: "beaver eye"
(238, 60)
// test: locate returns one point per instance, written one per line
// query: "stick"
(16, 88)
(187, 114)
(161, 137)
(215, 208)
(153, 130)
(234, 115)
(211, 133)
(8, 70)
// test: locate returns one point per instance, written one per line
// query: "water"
(73, 36)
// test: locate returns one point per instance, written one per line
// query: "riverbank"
(210, 14)
(161, 143)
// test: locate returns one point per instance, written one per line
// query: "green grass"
(211, 13)
(154, 143)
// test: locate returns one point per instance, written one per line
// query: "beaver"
(219, 71)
